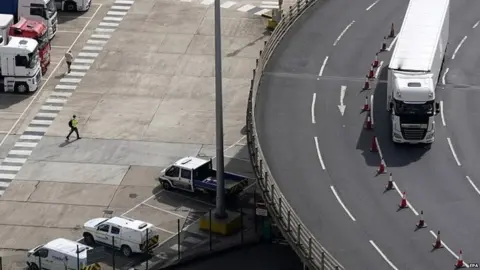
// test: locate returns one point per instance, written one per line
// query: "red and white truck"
(37, 31)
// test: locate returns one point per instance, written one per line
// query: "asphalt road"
(298, 102)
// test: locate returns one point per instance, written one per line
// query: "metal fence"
(297, 234)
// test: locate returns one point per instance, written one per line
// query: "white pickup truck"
(128, 235)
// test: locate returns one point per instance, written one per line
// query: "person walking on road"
(73, 123)
(68, 59)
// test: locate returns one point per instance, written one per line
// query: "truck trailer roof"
(418, 37)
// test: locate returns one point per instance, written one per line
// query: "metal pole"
(146, 250)
(78, 258)
(220, 212)
(241, 225)
(178, 239)
(113, 252)
(210, 229)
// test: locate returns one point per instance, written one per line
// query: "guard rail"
(300, 238)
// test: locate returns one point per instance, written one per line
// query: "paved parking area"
(142, 86)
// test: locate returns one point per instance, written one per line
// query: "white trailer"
(414, 71)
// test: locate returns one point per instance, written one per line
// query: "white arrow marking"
(342, 106)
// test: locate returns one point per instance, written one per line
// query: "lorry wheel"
(21, 88)
(70, 6)
(88, 239)
(126, 250)
(33, 266)
(166, 185)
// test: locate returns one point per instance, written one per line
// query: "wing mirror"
(437, 108)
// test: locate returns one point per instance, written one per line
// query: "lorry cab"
(73, 5)
(42, 11)
(128, 235)
(58, 254)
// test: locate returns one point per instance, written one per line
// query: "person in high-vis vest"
(73, 124)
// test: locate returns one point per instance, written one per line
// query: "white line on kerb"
(442, 115)
(383, 255)
(444, 77)
(323, 67)
(475, 25)
(371, 110)
(453, 151)
(319, 154)
(378, 69)
(313, 107)
(473, 184)
(341, 203)
(342, 33)
(408, 202)
(447, 248)
(392, 44)
(458, 47)
(50, 76)
(371, 6)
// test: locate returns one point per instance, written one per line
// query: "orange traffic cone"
(403, 202)
(438, 242)
(374, 147)
(384, 45)
(459, 263)
(389, 185)
(366, 107)
(421, 223)
(371, 75)
(381, 168)
(368, 123)
(375, 62)
(366, 85)
(392, 32)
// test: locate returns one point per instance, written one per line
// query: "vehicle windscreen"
(43, 41)
(51, 9)
(33, 59)
(202, 172)
(402, 108)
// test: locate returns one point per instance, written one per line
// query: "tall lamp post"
(220, 212)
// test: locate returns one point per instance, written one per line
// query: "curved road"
(321, 159)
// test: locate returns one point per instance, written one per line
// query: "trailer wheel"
(21, 88)
(33, 266)
(166, 185)
(70, 6)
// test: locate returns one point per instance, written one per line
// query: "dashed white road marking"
(343, 33)
(473, 184)
(378, 70)
(319, 154)
(227, 4)
(313, 107)
(341, 203)
(392, 44)
(453, 152)
(371, 115)
(442, 114)
(458, 47)
(261, 12)
(116, 13)
(246, 8)
(383, 255)
(323, 67)
(92, 48)
(448, 249)
(371, 6)
(113, 19)
(269, 4)
(475, 25)
(207, 2)
(444, 77)
(39, 91)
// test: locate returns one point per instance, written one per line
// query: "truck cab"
(73, 5)
(43, 11)
(35, 30)
(20, 68)
(195, 174)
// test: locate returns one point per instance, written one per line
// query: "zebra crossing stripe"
(228, 4)
(246, 8)
(49, 110)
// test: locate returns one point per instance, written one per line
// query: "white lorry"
(128, 235)
(414, 71)
(73, 5)
(20, 67)
(58, 254)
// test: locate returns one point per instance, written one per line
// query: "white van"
(61, 254)
(128, 235)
